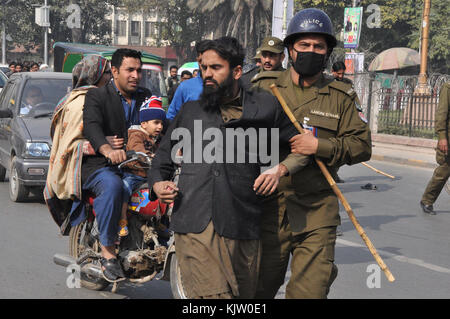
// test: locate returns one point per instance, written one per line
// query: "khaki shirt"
(331, 110)
(264, 79)
(443, 114)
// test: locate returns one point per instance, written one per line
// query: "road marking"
(413, 261)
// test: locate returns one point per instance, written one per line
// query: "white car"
(3, 80)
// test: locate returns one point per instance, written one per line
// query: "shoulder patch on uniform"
(362, 117)
(343, 87)
(358, 106)
(266, 75)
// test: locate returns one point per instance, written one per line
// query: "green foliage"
(400, 27)
(247, 20)
(179, 25)
(19, 18)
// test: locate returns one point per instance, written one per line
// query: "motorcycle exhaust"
(66, 261)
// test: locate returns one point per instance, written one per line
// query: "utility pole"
(3, 43)
(46, 39)
(4, 3)
(422, 86)
(284, 27)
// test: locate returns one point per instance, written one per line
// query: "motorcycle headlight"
(38, 149)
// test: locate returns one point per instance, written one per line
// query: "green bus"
(67, 54)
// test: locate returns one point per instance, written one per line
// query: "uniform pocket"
(326, 126)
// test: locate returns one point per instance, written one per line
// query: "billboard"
(352, 27)
(354, 63)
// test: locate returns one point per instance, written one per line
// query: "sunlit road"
(415, 246)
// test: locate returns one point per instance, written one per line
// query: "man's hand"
(115, 142)
(305, 144)
(115, 156)
(166, 191)
(443, 146)
(267, 182)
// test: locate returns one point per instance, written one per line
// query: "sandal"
(111, 270)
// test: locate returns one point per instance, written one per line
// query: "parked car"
(27, 103)
(3, 80)
(4, 68)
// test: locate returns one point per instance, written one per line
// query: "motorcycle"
(147, 251)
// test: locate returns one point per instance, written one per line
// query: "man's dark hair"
(33, 64)
(21, 65)
(186, 72)
(339, 65)
(173, 67)
(120, 54)
(228, 48)
(12, 63)
(201, 46)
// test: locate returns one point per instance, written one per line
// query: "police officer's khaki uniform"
(263, 79)
(442, 172)
(308, 210)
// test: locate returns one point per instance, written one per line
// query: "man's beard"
(213, 97)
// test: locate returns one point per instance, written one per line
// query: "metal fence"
(394, 108)
(405, 113)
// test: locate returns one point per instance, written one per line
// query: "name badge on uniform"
(308, 127)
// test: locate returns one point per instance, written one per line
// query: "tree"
(179, 26)
(247, 20)
(400, 27)
(19, 18)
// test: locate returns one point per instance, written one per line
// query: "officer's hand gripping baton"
(336, 190)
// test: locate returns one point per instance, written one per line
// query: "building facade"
(135, 29)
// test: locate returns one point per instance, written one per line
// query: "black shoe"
(427, 208)
(111, 269)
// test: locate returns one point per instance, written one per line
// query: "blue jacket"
(189, 90)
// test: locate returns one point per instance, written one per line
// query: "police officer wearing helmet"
(272, 56)
(300, 220)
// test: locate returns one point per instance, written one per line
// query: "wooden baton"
(336, 190)
(377, 170)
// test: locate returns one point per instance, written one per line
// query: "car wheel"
(2, 173)
(17, 191)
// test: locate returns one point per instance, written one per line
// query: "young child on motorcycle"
(143, 138)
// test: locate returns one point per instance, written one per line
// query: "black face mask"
(309, 64)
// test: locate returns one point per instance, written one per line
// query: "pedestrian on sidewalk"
(442, 172)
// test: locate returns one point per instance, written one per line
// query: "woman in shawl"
(63, 185)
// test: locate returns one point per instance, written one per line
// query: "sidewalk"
(404, 150)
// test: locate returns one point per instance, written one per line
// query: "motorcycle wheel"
(78, 240)
(176, 283)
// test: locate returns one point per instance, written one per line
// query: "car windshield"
(154, 81)
(40, 96)
(3, 80)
